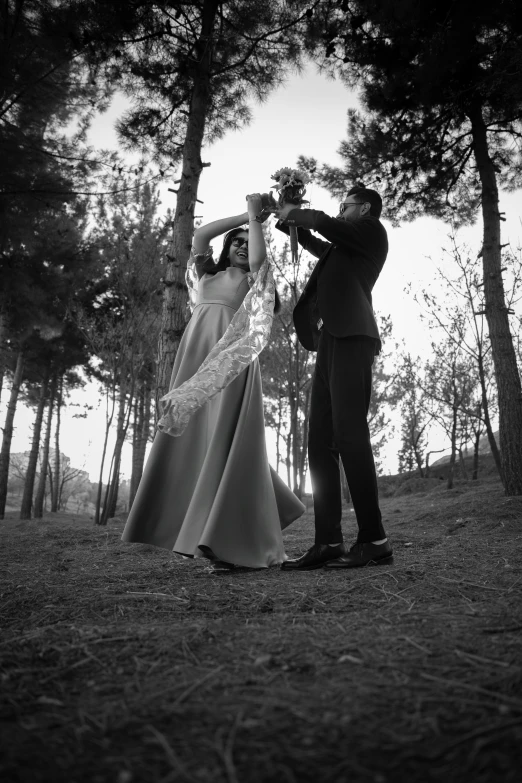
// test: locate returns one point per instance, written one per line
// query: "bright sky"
(306, 116)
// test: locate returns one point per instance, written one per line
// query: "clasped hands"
(262, 205)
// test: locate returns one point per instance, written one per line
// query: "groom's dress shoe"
(316, 557)
(363, 555)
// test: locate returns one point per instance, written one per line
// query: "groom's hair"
(210, 267)
(367, 194)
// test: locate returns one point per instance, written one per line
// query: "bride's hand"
(267, 206)
(255, 205)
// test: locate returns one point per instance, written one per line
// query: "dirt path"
(126, 664)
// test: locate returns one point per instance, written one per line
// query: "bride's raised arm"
(205, 234)
(256, 239)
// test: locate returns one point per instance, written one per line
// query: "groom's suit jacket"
(339, 289)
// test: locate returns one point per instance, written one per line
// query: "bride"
(207, 489)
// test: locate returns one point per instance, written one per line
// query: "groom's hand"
(282, 212)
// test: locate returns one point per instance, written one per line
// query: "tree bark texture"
(103, 512)
(175, 296)
(474, 475)
(135, 437)
(278, 430)
(503, 351)
(415, 442)
(294, 430)
(304, 445)
(50, 476)
(115, 486)
(44, 463)
(124, 411)
(113, 493)
(27, 498)
(55, 487)
(140, 438)
(288, 444)
(108, 422)
(487, 421)
(453, 456)
(5, 453)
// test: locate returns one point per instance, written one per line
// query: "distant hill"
(483, 449)
(411, 482)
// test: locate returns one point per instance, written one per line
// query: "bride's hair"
(210, 267)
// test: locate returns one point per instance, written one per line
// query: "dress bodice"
(226, 288)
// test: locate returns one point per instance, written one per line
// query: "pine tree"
(190, 70)
(441, 131)
(119, 318)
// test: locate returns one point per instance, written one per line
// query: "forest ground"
(126, 664)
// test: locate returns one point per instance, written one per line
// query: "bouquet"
(291, 187)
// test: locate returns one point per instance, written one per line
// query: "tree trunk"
(427, 470)
(417, 451)
(2, 374)
(288, 458)
(55, 492)
(294, 429)
(5, 453)
(474, 475)
(304, 444)
(503, 351)
(111, 501)
(462, 464)
(487, 421)
(50, 477)
(145, 424)
(60, 494)
(451, 467)
(140, 439)
(116, 491)
(103, 514)
(278, 429)
(27, 499)
(44, 463)
(108, 422)
(136, 433)
(175, 296)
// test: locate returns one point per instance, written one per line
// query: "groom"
(334, 317)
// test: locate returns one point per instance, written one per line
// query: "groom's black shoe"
(316, 557)
(364, 555)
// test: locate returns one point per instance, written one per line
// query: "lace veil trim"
(243, 341)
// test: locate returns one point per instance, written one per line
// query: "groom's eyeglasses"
(344, 205)
(239, 242)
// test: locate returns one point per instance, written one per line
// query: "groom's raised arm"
(311, 244)
(366, 236)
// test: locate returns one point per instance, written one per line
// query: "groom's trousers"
(338, 427)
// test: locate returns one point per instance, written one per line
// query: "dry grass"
(123, 663)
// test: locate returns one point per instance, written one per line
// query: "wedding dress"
(207, 485)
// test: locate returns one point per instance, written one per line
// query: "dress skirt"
(212, 486)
